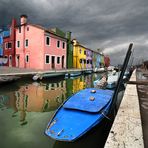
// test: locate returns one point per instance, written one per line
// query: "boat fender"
(93, 91)
(92, 98)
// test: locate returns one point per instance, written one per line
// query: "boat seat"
(89, 101)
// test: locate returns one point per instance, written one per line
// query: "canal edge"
(126, 130)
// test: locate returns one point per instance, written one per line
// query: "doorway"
(17, 60)
(53, 62)
(62, 61)
(10, 60)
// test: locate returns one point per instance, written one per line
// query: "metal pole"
(120, 80)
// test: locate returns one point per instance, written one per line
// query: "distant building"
(3, 33)
(89, 55)
(79, 55)
(96, 60)
(107, 61)
(38, 47)
(9, 45)
(102, 62)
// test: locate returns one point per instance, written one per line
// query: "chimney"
(68, 35)
(23, 18)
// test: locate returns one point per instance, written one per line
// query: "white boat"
(111, 81)
(73, 74)
(99, 69)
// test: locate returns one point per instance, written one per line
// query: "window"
(58, 60)
(27, 28)
(47, 40)
(63, 45)
(84, 52)
(80, 60)
(87, 61)
(27, 58)
(9, 45)
(19, 29)
(58, 44)
(46, 59)
(84, 61)
(18, 44)
(26, 43)
(80, 51)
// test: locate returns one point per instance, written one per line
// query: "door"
(10, 60)
(53, 62)
(62, 61)
(17, 60)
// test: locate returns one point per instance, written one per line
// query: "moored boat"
(79, 114)
(84, 110)
(111, 81)
(7, 79)
(73, 74)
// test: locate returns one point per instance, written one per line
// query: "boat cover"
(86, 100)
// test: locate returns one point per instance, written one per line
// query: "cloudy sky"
(109, 25)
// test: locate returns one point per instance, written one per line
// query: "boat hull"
(70, 124)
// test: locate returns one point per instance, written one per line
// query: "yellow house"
(79, 55)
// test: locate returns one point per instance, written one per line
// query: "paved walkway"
(23, 71)
(142, 75)
(126, 131)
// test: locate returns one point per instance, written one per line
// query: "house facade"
(79, 55)
(9, 45)
(89, 55)
(106, 61)
(3, 34)
(102, 62)
(38, 47)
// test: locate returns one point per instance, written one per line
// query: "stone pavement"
(126, 131)
(13, 70)
(142, 75)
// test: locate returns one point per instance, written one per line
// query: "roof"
(46, 30)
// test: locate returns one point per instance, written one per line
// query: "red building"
(9, 45)
(106, 61)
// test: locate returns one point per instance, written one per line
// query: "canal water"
(26, 107)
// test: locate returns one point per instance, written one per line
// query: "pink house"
(38, 47)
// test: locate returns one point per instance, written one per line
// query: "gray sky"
(106, 24)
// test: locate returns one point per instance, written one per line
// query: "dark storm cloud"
(109, 24)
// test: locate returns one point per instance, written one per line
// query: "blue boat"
(79, 114)
(84, 110)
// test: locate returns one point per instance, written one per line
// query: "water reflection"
(26, 107)
(41, 96)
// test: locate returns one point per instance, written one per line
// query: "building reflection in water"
(42, 97)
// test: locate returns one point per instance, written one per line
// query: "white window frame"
(26, 58)
(26, 42)
(17, 44)
(11, 45)
(64, 45)
(46, 40)
(57, 43)
(59, 60)
(45, 58)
